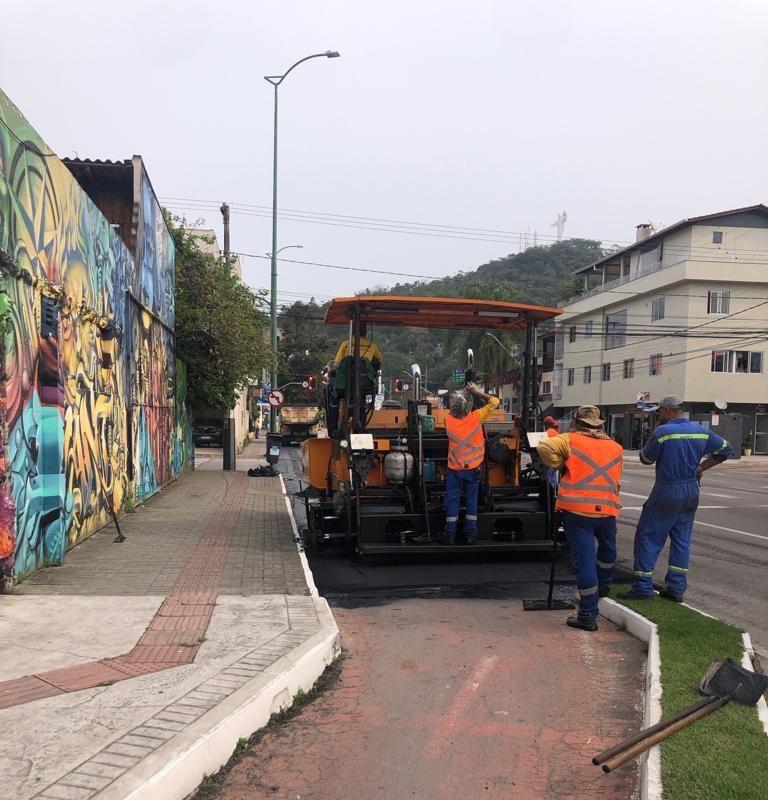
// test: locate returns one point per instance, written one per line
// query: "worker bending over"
(551, 426)
(588, 497)
(466, 453)
(677, 447)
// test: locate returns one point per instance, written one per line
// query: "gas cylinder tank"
(398, 466)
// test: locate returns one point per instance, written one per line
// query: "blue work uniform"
(676, 447)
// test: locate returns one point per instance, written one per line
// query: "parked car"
(209, 432)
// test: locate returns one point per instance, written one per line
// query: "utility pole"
(225, 214)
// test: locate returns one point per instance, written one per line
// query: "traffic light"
(312, 383)
(398, 384)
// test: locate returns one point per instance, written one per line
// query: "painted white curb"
(646, 631)
(308, 576)
(176, 769)
(747, 662)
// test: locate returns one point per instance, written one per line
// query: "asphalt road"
(729, 559)
(449, 689)
(728, 570)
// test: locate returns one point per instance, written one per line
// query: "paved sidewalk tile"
(211, 574)
(163, 534)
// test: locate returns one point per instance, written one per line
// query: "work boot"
(668, 595)
(582, 623)
(470, 538)
(603, 591)
(633, 595)
(444, 538)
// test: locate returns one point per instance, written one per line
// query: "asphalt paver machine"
(376, 483)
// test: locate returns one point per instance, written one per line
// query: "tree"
(221, 329)
(306, 346)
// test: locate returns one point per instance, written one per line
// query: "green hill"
(538, 275)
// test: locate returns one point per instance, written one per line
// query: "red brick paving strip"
(175, 633)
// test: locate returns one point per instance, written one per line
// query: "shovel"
(721, 683)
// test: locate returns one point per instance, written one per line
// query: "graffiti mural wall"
(66, 322)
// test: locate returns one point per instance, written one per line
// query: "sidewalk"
(744, 461)
(133, 669)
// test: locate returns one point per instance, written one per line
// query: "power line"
(337, 266)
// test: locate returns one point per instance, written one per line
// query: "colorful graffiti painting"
(69, 347)
(154, 278)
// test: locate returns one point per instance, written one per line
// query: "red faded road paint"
(457, 700)
(448, 724)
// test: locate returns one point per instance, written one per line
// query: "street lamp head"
(332, 54)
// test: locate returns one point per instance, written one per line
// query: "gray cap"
(671, 401)
(458, 403)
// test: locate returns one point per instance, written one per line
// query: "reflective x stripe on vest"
(466, 446)
(590, 483)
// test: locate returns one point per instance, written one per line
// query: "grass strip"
(725, 755)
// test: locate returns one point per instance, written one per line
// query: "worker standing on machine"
(588, 497)
(466, 453)
(677, 447)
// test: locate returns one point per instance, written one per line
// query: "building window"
(571, 376)
(655, 364)
(588, 329)
(717, 237)
(718, 302)
(739, 361)
(657, 309)
(606, 372)
(559, 343)
(572, 333)
(615, 330)
(629, 368)
(546, 387)
(587, 374)
(720, 361)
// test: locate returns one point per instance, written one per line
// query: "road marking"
(629, 494)
(444, 730)
(732, 530)
(724, 496)
(700, 508)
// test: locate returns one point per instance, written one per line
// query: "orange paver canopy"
(437, 312)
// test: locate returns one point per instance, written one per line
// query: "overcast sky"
(482, 114)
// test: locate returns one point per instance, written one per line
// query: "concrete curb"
(646, 631)
(748, 663)
(176, 769)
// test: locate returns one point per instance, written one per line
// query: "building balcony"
(666, 263)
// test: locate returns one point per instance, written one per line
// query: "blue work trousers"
(669, 511)
(458, 482)
(593, 571)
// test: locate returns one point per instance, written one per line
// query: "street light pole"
(276, 80)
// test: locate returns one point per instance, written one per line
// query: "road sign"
(458, 375)
(276, 398)
(267, 388)
(406, 387)
(305, 384)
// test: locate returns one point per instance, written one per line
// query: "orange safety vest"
(590, 483)
(466, 444)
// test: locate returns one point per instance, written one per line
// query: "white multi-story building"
(681, 311)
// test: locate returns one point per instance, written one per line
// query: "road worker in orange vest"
(551, 426)
(466, 453)
(588, 498)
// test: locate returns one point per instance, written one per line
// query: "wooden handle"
(654, 739)
(646, 732)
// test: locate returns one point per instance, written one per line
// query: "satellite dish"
(721, 405)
